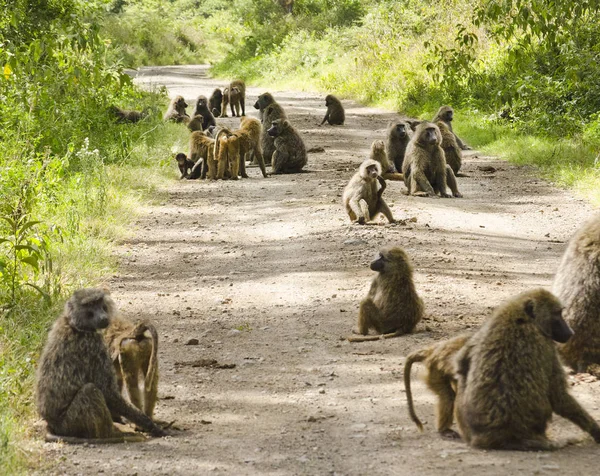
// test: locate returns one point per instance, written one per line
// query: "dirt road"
(267, 274)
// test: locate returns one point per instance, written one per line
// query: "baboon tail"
(418, 356)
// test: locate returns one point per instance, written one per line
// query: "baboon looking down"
(176, 111)
(290, 153)
(510, 379)
(335, 115)
(184, 164)
(392, 306)
(446, 115)
(397, 138)
(577, 284)
(378, 154)
(77, 392)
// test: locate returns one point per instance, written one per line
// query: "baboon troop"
(577, 284)
(510, 379)
(76, 385)
(176, 111)
(446, 115)
(378, 154)
(397, 138)
(289, 156)
(392, 307)
(335, 115)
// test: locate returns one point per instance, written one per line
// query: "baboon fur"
(425, 170)
(227, 155)
(184, 165)
(176, 111)
(451, 149)
(290, 153)
(269, 111)
(215, 101)
(126, 115)
(249, 133)
(362, 197)
(446, 115)
(397, 138)
(392, 306)
(510, 379)
(77, 392)
(133, 349)
(235, 97)
(438, 360)
(335, 115)
(202, 154)
(577, 284)
(203, 118)
(378, 154)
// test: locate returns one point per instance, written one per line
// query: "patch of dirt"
(267, 275)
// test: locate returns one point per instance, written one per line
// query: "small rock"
(192, 342)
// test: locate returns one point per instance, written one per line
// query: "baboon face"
(401, 130)
(547, 314)
(388, 258)
(89, 310)
(263, 101)
(277, 127)
(447, 114)
(428, 134)
(328, 100)
(201, 101)
(181, 159)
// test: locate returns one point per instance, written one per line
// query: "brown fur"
(202, 147)
(176, 111)
(392, 306)
(378, 154)
(249, 133)
(452, 151)
(397, 137)
(424, 167)
(125, 115)
(77, 391)
(577, 284)
(234, 96)
(290, 153)
(269, 111)
(215, 101)
(202, 118)
(446, 115)
(335, 115)
(510, 379)
(227, 154)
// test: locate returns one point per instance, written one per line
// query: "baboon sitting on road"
(452, 151)
(290, 153)
(397, 138)
(378, 154)
(203, 118)
(269, 111)
(446, 115)
(335, 115)
(215, 101)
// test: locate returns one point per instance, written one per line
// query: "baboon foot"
(458, 195)
(449, 434)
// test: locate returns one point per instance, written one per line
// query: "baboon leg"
(445, 411)
(131, 377)
(369, 316)
(385, 210)
(364, 210)
(451, 180)
(541, 444)
(242, 166)
(441, 185)
(205, 168)
(567, 407)
(150, 389)
(234, 161)
(419, 182)
(221, 167)
(279, 161)
(243, 104)
(258, 157)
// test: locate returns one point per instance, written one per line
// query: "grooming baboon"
(249, 132)
(290, 153)
(392, 306)
(378, 154)
(176, 111)
(335, 115)
(577, 284)
(362, 197)
(184, 164)
(227, 155)
(397, 138)
(202, 154)
(133, 349)
(452, 151)
(202, 118)
(510, 379)
(125, 115)
(269, 111)
(77, 391)
(446, 114)
(215, 101)
(424, 167)
(438, 359)
(235, 97)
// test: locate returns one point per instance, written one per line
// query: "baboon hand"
(361, 220)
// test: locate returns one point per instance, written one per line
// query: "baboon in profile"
(362, 197)
(249, 133)
(335, 115)
(451, 149)
(184, 164)
(290, 153)
(425, 170)
(202, 118)
(133, 349)
(202, 154)
(510, 378)
(269, 111)
(176, 111)
(235, 97)
(446, 114)
(438, 359)
(77, 391)
(577, 284)
(215, 101)
(378, 154)
(397, 138)
(392, 307)
(126, 115)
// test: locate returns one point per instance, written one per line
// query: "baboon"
(397, 138)
(249, 132)
(335, 115)
(133, 349)
(235, 97)
(438, 359)
(446, 114)
(125, 115)
(392, 307)
(77, 391)
(203, 118)
(176, 111)
(425, 170)
(202, 154)
(577, 284)
(510, 378)
(184, 164)
(227, 155)
(452, 151)
(269, 111)
(290, 153)
(215, 101)
(378, 154)
(362, 197)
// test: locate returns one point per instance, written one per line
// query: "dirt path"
(267, 275)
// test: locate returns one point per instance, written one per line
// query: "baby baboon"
(77, 392)
(577, 284)
(510, 379)
(133, 349)
(202, 154)
(424, 167)
(438, 359)
(446, 114)
(214, 102)
(203, 118)
(249, 132)
(184, 164)
(290, 153)
(234, 96)
(392, 306)
(398, 136)
(335, 115)
(269, 111)
(176, 111)
(451, 149)
(378, 154)
(362, 196)
(125, 115)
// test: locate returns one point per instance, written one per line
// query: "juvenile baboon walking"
(392, 307)
(577, 284)
(290, 153)
(397, 138)
(269, 111)
(446, 115)
(77, 392)
(510, 379)
(378, 154)
(335, 115)
(176, 111)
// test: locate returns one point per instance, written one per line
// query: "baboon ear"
(529, 308)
